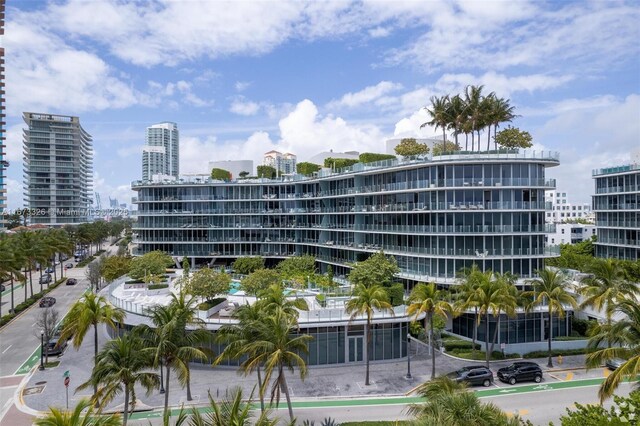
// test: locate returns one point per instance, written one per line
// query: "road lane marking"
(7, 348)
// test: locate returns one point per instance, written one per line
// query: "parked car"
(473, 375)
(2, 288)
(614, 363)
(55, 346)
(520, 372)
(72, 281)
(49, 270)
(69, 265)
(45, 279)
(47, 302)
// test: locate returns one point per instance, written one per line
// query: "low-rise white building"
(570, 233)
(561, 210)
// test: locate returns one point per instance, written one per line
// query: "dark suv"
(473, 375)
(520, 372)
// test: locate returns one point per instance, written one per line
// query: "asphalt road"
(20, 339)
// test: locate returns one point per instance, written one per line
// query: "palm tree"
(457, 112)
(365, 301)
(184, 311)
(551, 290)
(237, 338)
(428, 300)
(273, 299)
(10, 263)
(448, 403)
(91, 310)
(467, 295)
(30, 246)
(473, 99)
(438, 114)
(120, 366)
(232, 410)
(77, 417)
(500, 111)
(169, 344)
(493, 297)
(511, 300)
(625, 336)
(278, 347)
(606, 286)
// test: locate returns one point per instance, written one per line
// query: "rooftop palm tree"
(550, 289)
(278, 347)
(428, 300)
(365, 301)
(120, 366)
(77, 417)
(500, 111)
(457, 112)
(90, 311)
(625, 336)
(475, 113)
(606, 286)
(438, 114)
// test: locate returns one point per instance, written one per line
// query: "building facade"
(434, 215)
(570, 233)
(58, 169)
(563, 211)
(235, 167)
(285, 164)
(160, 155)
(3, 163)
(616, 204)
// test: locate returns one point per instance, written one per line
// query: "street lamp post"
(41, 350)
(408, 376)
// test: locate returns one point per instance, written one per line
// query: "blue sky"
(242, 78)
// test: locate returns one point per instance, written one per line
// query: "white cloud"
(379, 32)
(241, 86)
(303, 131)
(241, 107)
(366, 95)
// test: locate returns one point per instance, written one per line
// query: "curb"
(481, 360)
(18, 399)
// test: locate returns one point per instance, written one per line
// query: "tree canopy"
(372, 157)
(152, 263)
(220, 174)
(443, 147)
(266, 172)
(377, 269)
(410, 146)
(512, 137)
(306, 168)
(247, 265)
(114, 267)
(208, 283)
(260, 280)
(339, 163)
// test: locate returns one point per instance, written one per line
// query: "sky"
(245, 77)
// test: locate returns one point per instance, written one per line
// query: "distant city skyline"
(312, 77)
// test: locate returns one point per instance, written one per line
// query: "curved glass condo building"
(435, 215)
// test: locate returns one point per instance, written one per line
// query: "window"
(553, 241)
(563, 230)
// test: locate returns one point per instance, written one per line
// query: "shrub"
(372, 157)
(321, 299)
(211, 303)
(157, 286)
(555, 352)
(451, 345)
(339, 163)
(580, 326)
(396, 294)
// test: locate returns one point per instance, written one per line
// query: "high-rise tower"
(3, 163)
(58, 169)
(160, 155)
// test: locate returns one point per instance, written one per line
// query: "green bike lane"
(398, 400)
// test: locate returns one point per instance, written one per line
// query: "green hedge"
(321, 299)
(211, 303)
(451, 345)
(157, 286)
(30, 301)
(555, 352)
(481, 356)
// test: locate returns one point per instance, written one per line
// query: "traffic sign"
(66, 381)
(66, 374)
